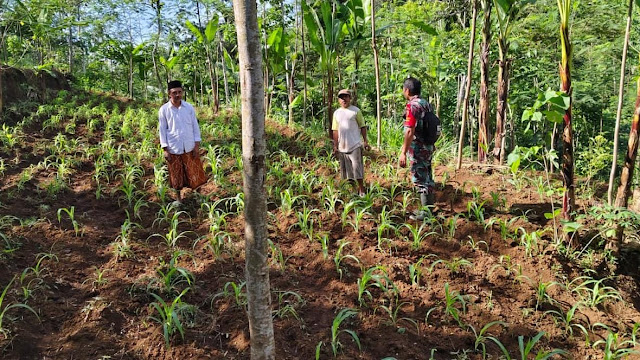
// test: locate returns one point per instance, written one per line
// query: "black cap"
(174, 84)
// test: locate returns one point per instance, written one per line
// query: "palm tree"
(568, 200)
(253, 153)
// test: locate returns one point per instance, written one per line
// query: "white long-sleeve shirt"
(178, 127)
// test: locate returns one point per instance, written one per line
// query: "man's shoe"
(418, 215)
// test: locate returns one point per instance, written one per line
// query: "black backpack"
(428, 127)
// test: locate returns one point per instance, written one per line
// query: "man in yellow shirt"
(347, 128)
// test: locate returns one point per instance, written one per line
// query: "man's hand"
(403, 160)
(167, 155)
(367, 146)
(196, 150)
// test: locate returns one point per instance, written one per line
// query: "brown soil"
(80, 318)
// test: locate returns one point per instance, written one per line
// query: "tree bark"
(304, 69)
(626, 177)
(565, 67)
(157, 6)
(616, 136)
(483, 117)
(253, 156)
(503, 93)
(465, 106)
(376, 62)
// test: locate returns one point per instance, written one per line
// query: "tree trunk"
(616, 136)
(253, 154)
(157, 6)
(329, 101)
(503, 93)
(483, 117)
(224, 75)
(465, 106)
(304, 69)
(130, 77)
(376, 62)
(70, 43)
(626, 177)
(568, 199)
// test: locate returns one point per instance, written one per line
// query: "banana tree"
(483, 118)
(125, 53)
(206, 40)
(622, 198)
(325, 35)
(565, 68)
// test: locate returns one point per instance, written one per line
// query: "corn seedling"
(172, 235)
(453, 300)
(541, 287)
(277, 257)
(4, 309)
(339, 257)
(38, 269)
(418, 235)
(385, 225)
(98, 279)
(415, 272)
(331, 198)
(358, 215)
(373, 277)
(288, 302)
(288, 200)
(305, 221)
(71, 214)
(343, 315)
(615, 348)
(457, 264)
(393, 311)
(498, 200)
(594, 292)
(569, 320)
(530, 241)
(481, 338)
(169, 316)
(323, 239)
(234, 291)
(475, 245)
(348, 207)
(172, 276)
(475, 211)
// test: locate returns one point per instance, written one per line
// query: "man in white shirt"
(180, 140)
(347, 127)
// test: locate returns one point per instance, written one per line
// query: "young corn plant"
(373, 277)
(339, 257)
(385, 226)
(481, 338)
(71, 214)
(525, 349)
(569, 321)
(415, 272)
(323, 239)
(169, 316)
(456, 265)
(593, 292)
(172, 236)
(530, 241)
(614, 347)
(288, 200)
(454, 305)
(277, 257)
(418, 234)
(393, 312)
(288, 302)
(234, 291)
(172, 276)
(358, 215)
(475, 211)
(336, 331)
(305, 221)
(6, 307)
(541, 291)
(331, 198)
(38, 269)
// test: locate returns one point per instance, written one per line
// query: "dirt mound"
(28, 85)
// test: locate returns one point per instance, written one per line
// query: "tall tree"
(253, 154)
(465, 105)
(206, 40)
(616, 136)
(626, 177)
(565, 68)
(325, 36)
(483, 116)
(376, 64)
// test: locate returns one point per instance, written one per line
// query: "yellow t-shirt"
(348, 123)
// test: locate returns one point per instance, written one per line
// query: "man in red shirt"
(419, 151)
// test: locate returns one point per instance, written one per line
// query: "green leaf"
(570, 226)
(424, 27)
(195, 31)
(554, 116)
(212, 28)
(513, 160)
(552, 215)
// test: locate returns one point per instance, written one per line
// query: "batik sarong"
(186, 170)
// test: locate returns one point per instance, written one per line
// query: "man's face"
(344, 100)
(405, 93)
(175, 95)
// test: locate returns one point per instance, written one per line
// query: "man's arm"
(334, 134)
(196, 134)
(162, 133)
(363, 132)
(408, 138)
